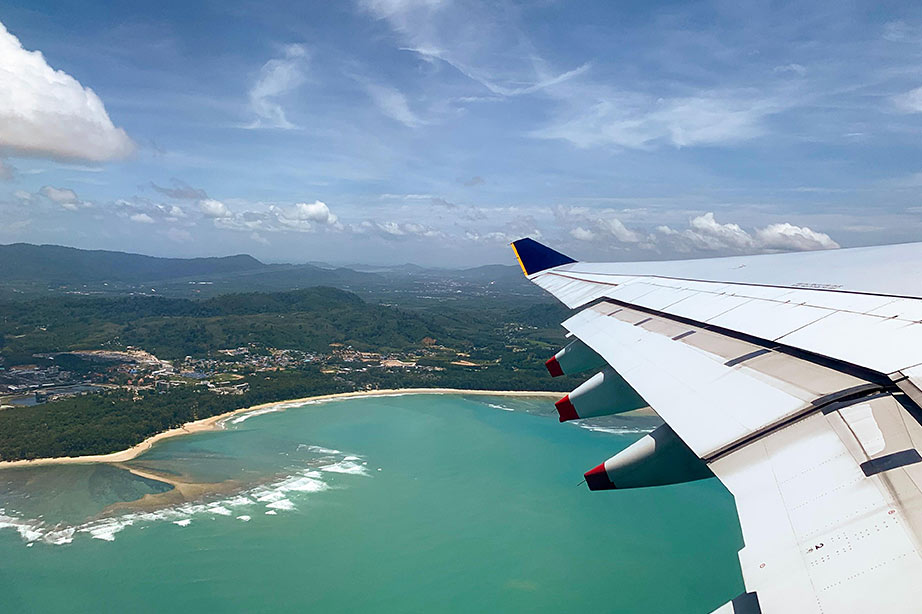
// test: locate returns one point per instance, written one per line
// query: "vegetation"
(502, 341)
(101, 423)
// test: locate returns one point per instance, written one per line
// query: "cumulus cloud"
(277, 77)
(705, 233)
(596, 225)
(141, 218)
(47, 113)
(910, 102)
(300, 217)
(796, 238)
(65, 197)
(583, 234)
(180, 191)
(213, 208)
(396, 230)
(316, 211)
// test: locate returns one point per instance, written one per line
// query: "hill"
(54, 264)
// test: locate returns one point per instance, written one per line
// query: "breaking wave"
(281, 495)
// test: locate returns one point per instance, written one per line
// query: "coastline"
(213, 423)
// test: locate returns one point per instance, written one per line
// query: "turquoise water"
(418, 503)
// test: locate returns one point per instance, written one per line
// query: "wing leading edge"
(820, 453)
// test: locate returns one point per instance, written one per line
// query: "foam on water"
(502, 407)
(319, 449)
(281, 504)
(273, 497)
(346, 466)
(252, 414)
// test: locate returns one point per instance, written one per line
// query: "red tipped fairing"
(576, 357)
(657, 459)
(565, 409)
(597, 478)
(603, 394)
(553, 367)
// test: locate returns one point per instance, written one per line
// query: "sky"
(437, 131)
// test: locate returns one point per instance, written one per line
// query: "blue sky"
(436, 131)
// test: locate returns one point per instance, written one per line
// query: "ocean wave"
(274, 497)
(318, 449)
(502, 407)
(252, 414)
(345, 466)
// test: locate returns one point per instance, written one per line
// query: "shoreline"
(213, 423)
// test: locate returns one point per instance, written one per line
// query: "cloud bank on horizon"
(436, 131)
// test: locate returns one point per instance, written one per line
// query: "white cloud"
(640, 122)
(910, 102)
(710, 234)
(797, 69)
(393, 104)
(277, 77)
(259, 238)
(141, 218)
(65, 197)
(789, 237)
(47, 113)
(595, 225)
(300, 217)
(213, 208)
(316, 211)
(583, 234)
(481, 43)
(705, 233)
(396, 230)
(617, 229)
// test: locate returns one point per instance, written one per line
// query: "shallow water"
(388, 504)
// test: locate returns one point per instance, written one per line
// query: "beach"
(214, 422)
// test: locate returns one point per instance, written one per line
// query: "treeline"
(112, 421)
(308, 319)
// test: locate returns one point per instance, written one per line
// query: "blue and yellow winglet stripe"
(534, 257)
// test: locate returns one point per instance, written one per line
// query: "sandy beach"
(214, 422)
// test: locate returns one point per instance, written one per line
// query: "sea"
(412, 503)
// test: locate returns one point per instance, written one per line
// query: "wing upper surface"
(800, 388)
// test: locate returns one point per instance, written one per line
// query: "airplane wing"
(796, 379)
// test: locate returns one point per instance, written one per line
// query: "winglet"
(534, 257)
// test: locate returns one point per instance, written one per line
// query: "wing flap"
(821, 535)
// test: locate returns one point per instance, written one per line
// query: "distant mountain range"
(27, 268)
(69, 265)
